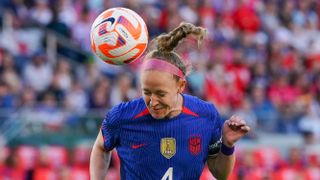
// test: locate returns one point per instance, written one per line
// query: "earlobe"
(181, 87)
(180, 90)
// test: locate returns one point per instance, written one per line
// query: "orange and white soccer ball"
(119, 36)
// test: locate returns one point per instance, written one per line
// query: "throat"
(173, 113)
(177, 109)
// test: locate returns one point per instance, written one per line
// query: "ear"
(181, 85)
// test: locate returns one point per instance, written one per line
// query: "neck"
(176, 110)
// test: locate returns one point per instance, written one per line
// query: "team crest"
(195, 145)
(168, 147)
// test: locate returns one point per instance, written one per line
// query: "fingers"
(236, 123)
(245, 128)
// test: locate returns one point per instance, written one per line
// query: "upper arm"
(99, 143)
(110, 130)
(99, 159)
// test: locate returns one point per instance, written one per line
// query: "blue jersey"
(175, 148)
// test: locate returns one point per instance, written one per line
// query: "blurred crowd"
(261, 59)
(58, 162)
(266, 163)
(46, 162)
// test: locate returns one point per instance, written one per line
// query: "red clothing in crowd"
(246, 19)
(283, 94)
(44, 173)
(240, 75)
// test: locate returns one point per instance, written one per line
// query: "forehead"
(157, 80)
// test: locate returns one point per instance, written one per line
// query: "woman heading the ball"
(167, 134)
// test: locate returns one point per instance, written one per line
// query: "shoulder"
(128, 109)
(125, 110)
(200, 106)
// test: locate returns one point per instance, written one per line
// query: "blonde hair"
(166, 43)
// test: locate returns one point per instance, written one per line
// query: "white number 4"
(168, 174)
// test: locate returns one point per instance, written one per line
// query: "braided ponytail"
(166, 43)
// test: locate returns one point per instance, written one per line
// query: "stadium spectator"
(38, 73)
(123, 90)
(7, 99)
(101, 94)
(81, 29)
(41, 13)
(76, 98)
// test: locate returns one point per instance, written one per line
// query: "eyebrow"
(158, 91)
(161, 91)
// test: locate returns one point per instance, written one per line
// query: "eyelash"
(148, 94)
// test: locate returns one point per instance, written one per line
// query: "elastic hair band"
(161, 65)
(226, 150)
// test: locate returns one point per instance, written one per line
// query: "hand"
(233, 129)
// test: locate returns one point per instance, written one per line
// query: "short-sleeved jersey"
(175, 148)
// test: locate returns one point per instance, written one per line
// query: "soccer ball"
(118, 36)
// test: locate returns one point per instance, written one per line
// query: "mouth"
(156, 109)
(156, 113)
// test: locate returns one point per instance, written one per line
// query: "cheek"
(146, 99)
(170, 100)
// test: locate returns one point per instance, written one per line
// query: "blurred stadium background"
(261, 60)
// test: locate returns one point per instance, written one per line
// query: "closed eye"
(162, 94)
(158, 93)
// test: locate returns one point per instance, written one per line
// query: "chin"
(157, 116)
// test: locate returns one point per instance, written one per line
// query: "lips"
(156, 110)
(157, 113)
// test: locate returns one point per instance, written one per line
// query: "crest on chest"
(195, 145)
(168, 147)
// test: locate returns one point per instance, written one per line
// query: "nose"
(153, 101)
